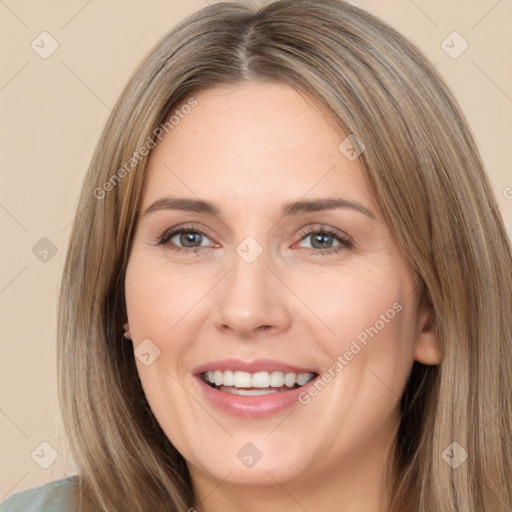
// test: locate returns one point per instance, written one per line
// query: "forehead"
(259, 141)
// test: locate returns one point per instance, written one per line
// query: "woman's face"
(285, 271)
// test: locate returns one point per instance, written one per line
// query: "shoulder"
(55, 496)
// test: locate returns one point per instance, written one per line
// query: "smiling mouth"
(258, 383)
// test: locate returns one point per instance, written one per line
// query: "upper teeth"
(258, 379)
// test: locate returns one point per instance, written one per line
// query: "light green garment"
(56, 496)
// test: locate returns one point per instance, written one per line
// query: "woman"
(288, 285)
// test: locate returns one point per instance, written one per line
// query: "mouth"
(256, 384)
(252, 389)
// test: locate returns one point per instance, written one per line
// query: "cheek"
(160, 307)
(359, 302)
(157, 300)
(371, 315)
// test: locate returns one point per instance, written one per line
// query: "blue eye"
(324, 238)
(190, 240)
(188, 237)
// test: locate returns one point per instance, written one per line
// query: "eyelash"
(164, 239)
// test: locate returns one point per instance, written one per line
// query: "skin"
(249, 149)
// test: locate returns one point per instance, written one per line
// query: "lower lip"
(256, 406)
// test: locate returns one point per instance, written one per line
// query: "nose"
(251, 300)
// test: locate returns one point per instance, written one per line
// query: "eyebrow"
(294, 208)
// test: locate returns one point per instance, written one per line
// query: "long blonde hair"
(423, 167)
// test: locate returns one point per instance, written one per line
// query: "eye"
(322, 240)
(184, 239)
(189, 239)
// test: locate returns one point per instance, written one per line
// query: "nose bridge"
(251, 296)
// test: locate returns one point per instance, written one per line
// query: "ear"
(126, 328)
(426, 349)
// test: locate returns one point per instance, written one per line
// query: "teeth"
(303, 378)
(290, 379)
(228, 378)
(276, 379)
(250, 392)
(242, 380)
(262, 380)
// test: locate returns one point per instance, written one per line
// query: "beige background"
(52, 113)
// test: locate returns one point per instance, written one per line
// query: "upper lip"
(258, 365)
